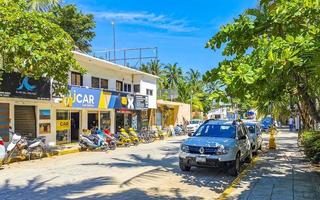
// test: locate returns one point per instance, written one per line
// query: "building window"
(95, 82)
(136, 88)
(76, 79)
(119, 86)
(104, 83)
(127, 87)
(149, 92)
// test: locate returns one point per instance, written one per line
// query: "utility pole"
(114, 42)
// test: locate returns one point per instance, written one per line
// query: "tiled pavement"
(280, 174)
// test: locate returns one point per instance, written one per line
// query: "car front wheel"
(235, 166)
(184, 167)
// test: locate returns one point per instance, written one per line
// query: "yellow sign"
(124, 101)
(67, 101)
(63, 125)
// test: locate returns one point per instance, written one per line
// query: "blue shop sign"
(84, 97)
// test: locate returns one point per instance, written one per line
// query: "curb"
(236, 181)
(48, 155)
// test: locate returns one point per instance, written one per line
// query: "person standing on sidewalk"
(291, 121)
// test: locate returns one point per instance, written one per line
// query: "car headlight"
(222, 150)
(184, 148)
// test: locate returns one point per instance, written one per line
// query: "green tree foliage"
(34, 46)
(189, 86)
(42, 5)
(273, 53)
(78, 25)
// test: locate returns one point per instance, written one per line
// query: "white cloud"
(146, 19)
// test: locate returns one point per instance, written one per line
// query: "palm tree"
(173, 74)
(144, 68)
(42, 5)
(155, 67)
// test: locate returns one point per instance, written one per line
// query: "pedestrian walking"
(291, 121)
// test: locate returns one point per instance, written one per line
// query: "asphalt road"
(147, 171)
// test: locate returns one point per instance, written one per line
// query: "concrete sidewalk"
(280, 174)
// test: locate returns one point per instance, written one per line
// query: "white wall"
(145, 84)
(145, 81)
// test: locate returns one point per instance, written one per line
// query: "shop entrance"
(128, 119)
(92, 120)
(25, 120)
(75, 126)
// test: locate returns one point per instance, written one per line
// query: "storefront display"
(105, 120)
(44, 114)
(93, 120)
(44, 128)
(63, 126)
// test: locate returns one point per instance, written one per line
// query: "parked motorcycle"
(123, 138)
(178, 130)
(93, 142)
(133, 136)
(110, 139)
(30, 149)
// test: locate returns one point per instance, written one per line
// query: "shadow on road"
(214, 179)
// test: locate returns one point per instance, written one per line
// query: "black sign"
(141, 102)
(13, 85)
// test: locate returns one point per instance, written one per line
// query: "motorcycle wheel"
(136, 142)
(37, 152)
(7, 158)
(113, 145)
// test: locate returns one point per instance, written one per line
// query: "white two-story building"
(107, 96)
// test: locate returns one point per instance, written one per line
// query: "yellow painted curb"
(69, 151)
(236, 181)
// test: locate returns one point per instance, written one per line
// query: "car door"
(247, 145)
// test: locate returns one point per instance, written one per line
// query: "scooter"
(110, 139)
(31, 149)
(123, 138)
(178, 130)
(93, 142)
(134, 136)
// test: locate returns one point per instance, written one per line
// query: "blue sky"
(179, 28)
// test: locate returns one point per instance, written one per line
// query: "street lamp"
(114, 41)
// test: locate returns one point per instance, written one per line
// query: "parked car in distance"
(216, 143)
(2, 150)
(255, 135)
(193, 126)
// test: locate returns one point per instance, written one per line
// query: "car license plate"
(201, 159)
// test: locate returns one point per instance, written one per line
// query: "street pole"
(114, 41)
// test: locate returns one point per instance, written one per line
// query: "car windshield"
(251, 128)
(214, 130)
(194, 122)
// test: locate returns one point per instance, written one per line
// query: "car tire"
(235, 166)
(184, 167)
(249, 157)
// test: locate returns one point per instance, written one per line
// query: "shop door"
(4, 121)
(25, 120)
(75, 126)
(119, 121)
(92, 120)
